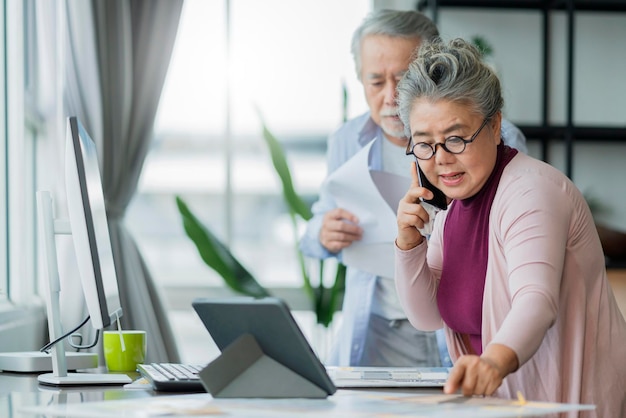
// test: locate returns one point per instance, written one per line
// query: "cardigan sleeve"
(531, 223)
(417, 276)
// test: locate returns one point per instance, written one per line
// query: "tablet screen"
(270, 321)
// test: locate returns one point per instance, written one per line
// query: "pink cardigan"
(546, 293)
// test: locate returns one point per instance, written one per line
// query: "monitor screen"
(90, 230)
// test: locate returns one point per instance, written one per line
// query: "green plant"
(483, 45)
(325, 300)
(217, 256)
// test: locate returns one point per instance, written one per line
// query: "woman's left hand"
(481, 375)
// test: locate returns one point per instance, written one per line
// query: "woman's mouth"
(451, 179)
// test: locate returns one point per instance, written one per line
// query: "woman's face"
(459, 176)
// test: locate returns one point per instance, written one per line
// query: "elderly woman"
(514, 269)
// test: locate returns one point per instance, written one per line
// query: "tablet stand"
(244, 371)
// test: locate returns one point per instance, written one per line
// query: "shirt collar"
(368, 131)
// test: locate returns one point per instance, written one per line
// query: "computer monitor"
(92, 244)
(90, 230)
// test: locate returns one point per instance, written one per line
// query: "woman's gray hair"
(452, 71)
(394, 23)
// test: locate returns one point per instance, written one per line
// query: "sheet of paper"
(373, 197)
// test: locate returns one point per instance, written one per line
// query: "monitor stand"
(80, 379)
(59, 376)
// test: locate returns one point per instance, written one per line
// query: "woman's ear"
(496, 124)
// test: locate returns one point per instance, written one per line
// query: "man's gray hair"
(393, 23)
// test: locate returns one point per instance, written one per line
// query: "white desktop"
(39, 362)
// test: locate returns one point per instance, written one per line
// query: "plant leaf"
(483, 45)
(325, 301)
(217, 256)
(296, 204)
(337, 292)
(328, 300)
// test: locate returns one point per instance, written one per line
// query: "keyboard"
(172, 377)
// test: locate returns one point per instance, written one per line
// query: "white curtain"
(118, 53)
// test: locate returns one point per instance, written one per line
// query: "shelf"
(616, 265)
(588, 5)
(579, 133)
(493, 4)
(545, 132)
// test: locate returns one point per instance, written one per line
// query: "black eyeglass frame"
(409, 148)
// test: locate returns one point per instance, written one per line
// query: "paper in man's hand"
(373, 197)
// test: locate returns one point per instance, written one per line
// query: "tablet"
(270, 322)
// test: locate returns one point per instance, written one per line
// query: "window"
(4, 276)
(288, 61)
(21, 313)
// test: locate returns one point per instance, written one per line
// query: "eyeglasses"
(452, 144)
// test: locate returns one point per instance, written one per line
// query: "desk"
(20, 390)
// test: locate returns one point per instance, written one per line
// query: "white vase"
(322, 341)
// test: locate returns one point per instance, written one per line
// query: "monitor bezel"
(89, 225)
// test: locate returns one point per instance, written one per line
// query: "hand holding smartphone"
(439, 200)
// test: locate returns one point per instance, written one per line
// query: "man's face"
(384, 60)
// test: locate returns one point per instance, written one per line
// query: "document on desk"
(373, 197)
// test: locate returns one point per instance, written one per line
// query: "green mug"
(124, 357)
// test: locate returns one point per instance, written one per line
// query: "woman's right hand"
(482, 375)
(411, 214)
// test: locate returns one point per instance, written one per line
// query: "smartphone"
(440, 200)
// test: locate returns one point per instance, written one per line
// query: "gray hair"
(451, 71)
(394, 23)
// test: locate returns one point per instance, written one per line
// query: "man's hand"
(411, 214)
(339, 229)
(482, 375)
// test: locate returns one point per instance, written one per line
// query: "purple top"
(460, 292)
